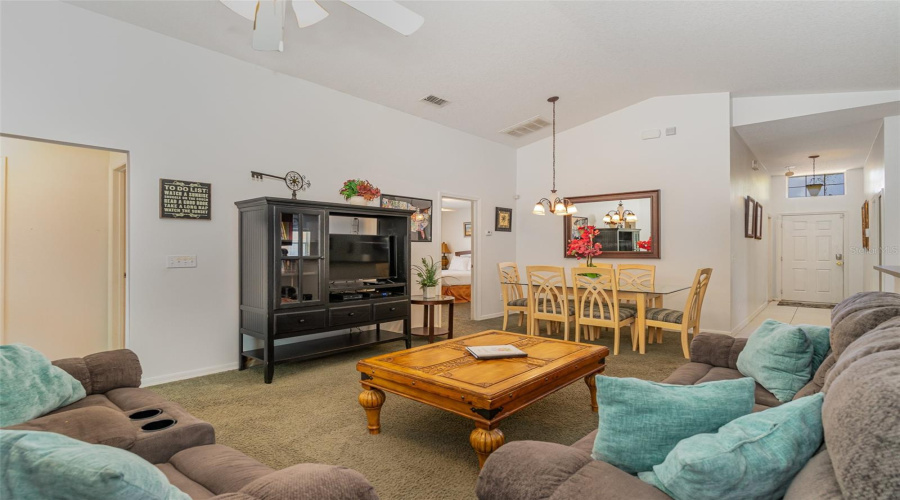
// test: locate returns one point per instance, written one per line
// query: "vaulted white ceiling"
(498, 61)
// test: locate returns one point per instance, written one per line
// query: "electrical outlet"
(670, 131)
(181, 261)
(488, 232)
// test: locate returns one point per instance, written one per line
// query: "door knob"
(840, 263)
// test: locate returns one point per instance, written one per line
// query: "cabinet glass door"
(301, 259)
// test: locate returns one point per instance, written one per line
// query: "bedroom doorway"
(456, 254)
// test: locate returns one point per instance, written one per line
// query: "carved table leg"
(485, 441)
(592, 386)
(371, 399)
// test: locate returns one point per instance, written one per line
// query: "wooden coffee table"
(446, 376)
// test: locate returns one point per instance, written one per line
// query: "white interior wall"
(452, 230)
(607, 155)
(185, 112)
(873, 185)
(749, 256)
(849, 205)
(57, 237)
(891, 227)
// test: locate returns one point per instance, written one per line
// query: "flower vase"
(429, 292)
(358, 200)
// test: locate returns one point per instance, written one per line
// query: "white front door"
(813, 258)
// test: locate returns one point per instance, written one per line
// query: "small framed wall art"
(419, 222)
(184, 200)
(503, 219)
(749, 214)
(467, 229)
(758, 221)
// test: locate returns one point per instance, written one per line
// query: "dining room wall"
(607, 155)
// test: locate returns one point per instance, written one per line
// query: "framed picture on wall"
(749, 214)
(467, 229)
(420, 222)
(503, 220)
(758, 221)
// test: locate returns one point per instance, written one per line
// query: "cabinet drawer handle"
(302, 320)
(393, 309)
(351, 314)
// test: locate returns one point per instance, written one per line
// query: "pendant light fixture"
(815, 187)
(556, 205)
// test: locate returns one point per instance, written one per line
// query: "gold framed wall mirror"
(627, 224)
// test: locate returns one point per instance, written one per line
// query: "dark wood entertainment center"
(285, 290)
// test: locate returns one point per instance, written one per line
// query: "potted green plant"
(359, 192)
(427, 273)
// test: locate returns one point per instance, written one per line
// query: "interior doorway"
(812, 258)
(457, 254)
(63, 246)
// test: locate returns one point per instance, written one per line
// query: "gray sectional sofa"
(861, 416)
(185, 451)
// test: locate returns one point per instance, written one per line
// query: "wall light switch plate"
(670, 131)
(650, 134)
(488, 232)
(173, 261)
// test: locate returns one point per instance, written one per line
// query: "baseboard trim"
(173, 377)
(490, 316)
(748, 319)
(723, 332)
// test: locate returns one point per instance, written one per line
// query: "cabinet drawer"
(391, 310)
(299, 321)
(349, 314)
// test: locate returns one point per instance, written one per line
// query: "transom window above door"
(834, 185)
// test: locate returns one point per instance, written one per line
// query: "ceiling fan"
(268, 17)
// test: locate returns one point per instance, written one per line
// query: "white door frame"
(127, 342)
(118, 256)
(475, 311)
(779, 248)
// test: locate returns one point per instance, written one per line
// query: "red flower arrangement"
(584, 245)
(359, 187)
(646, 244)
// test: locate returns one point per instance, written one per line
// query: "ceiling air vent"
(437, 101)
(528, 126)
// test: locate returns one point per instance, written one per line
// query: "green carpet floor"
(310, 413)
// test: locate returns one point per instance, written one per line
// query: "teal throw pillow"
(40, 465)
(755, 456)
(32, 386)
(821, 343)
(640, 421)
(779, 357)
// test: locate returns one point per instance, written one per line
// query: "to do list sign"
(183, 199)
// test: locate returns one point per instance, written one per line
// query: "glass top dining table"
(639, 294)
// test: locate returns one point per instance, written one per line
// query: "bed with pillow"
(457, 278)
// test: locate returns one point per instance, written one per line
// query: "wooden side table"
(428, 328)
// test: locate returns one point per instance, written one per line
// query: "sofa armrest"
(93, 424)
(717, 349)
(534, 470)
(319, 481)
(104, 371)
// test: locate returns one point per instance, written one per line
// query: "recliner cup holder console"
(145, 414)
(158, 425)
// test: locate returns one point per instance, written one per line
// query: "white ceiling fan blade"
(268, 30)
(245, 8)
(308, 12)
(389, 13)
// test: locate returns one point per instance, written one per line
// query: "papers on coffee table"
(496, 352)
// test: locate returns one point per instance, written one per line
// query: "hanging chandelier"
(815, 187)
(556, 205)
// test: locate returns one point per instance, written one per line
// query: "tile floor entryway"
(792, 315)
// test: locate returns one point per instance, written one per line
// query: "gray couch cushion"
(816, 480)
(717, 349)
(698, 373)
(534, 470)
(92, 424)
(218, 469)
(861, 416)
(857, 315)
(818, 381)
(886, 337)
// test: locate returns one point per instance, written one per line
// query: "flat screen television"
(361, 257)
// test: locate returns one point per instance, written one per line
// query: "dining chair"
(515, 300)
(687, 320)
(597, 302)
(638, 276)
(548, 299)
